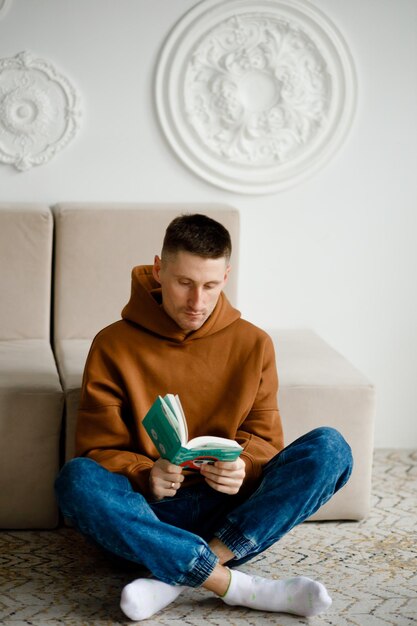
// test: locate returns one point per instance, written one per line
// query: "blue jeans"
(169, 537)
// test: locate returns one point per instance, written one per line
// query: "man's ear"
(156, 269)
(226, 273)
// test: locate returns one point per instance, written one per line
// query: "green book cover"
(166, 425)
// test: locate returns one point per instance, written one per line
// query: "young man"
(179, 334)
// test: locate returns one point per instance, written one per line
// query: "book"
(166, 425)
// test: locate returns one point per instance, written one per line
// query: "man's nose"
(195, 297)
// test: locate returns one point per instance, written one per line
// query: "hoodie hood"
(145, 310)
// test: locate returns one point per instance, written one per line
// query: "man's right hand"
(165, 479)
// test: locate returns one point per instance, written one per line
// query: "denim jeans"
(169, 537)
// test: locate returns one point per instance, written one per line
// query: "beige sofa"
(96, 246)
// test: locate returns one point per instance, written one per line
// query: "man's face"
(191, 286)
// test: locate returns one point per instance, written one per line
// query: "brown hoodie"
(224, 373)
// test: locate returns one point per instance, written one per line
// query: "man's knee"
(332, 453)
(331, 443)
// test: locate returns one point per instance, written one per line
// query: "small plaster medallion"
(39, 111)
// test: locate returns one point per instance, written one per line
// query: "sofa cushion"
(25, 271)
(97, 245)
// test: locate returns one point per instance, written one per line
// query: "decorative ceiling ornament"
(255, 95)
(39, 111)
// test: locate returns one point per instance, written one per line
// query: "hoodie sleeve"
(105, 430)
(261, 433)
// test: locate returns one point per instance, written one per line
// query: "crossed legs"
(294, 485)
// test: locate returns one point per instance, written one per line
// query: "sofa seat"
(320, 387)
(31, 406)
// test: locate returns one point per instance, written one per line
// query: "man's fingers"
(172, 485)
(230, 489)
(165, 479)
(214, 471)
(226, 477)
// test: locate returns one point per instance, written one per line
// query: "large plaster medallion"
(39, 111)
(254, 95)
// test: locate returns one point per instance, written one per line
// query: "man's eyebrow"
(214, 281)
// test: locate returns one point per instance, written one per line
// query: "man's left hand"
(225, 476)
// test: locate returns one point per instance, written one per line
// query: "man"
(179, 334)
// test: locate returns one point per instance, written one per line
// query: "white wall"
(336, 253)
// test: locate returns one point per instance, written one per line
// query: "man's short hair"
(197, 234)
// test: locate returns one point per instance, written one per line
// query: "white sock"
(300, 596)
(145, 596)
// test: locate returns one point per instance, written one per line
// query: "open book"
(165, 423)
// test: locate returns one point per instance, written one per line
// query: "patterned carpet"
(55, 577)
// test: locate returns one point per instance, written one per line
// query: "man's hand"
(225, 476)
(165, 479)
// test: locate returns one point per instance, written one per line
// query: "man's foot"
(299, 596)
(144, 597)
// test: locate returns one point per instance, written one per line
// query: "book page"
(212, 442)
(169, 413)
(176, 407)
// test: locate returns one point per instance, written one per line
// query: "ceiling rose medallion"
(39, 111)
(253, 96)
